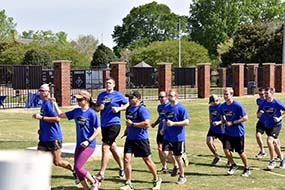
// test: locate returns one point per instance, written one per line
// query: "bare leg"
(259, 142)
(116, 155)
(128, 166)
(151, 166)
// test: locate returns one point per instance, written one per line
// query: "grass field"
(19, 130)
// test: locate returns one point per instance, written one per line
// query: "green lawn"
(19, 130)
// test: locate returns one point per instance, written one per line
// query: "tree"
(145, 24)
(47, 37)
(248, 44)
(37, 57)
(85, 45)
(7, 27)
(102, 55)
(212, 22)
(167, 51)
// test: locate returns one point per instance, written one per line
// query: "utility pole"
(179, 44)
(283, 50)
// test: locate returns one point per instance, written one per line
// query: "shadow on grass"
(62, 177)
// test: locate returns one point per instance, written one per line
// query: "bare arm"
(178, 123)
(142, 124)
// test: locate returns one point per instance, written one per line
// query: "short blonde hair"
(229, 89)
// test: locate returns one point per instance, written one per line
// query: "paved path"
(68, 150)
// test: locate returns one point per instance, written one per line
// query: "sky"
(79, 17)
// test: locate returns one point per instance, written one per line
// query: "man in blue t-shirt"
(273, 111)
(110, 103)
(216, 129)
(176, 118)
(159, 137)
(233, 115)
(137, 142)
(260, 128)
(50, 135)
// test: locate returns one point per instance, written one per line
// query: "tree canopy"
(85, 45)
(212, 22)
(167, 51)
(102, 55)
(7, 27)
(147, 23)
(250, 43)
(37, 57)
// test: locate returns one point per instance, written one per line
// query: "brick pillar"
(164, 76)
(204, 80)
(62, 82)
(252, 73)
(222, 77)
(106, 74)
(238, 79)
(118, 72)
(268, 75)
(280, 78)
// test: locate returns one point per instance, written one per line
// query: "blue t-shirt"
(233, 112)
(114, 99)
(175, 113)
(137, 114)
(49, 131)
(271, 110)
(215, 116)
(85, 122)
(161, 113)
(259, 101)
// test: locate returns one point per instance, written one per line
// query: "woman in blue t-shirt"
(87, 128)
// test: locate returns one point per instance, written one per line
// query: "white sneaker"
(95, 186)
(271, 164)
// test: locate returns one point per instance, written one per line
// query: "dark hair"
(272, 90)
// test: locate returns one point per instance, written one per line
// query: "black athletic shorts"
(110, 133)
(274, 131)
(234, 144)
(178, 148)
(260, 128)
(140, 148)
(159, 139)
(51, 145)
(215, 135)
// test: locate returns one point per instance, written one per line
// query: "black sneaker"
(121, 173)
(215, 160)
(174, 171)
(164, 170)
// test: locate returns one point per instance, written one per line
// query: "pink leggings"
(81, 156)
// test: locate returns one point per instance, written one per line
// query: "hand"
(129, 123)
(37, 116)
(229, 123)
(277, 119)
(84, 144)
(53, 100)
(170, 123)
(216, 123)
(115, 109)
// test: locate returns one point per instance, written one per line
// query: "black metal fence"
(19, 84)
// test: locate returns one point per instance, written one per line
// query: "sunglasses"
(131, 97)
(161, 96)
(79, 99)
